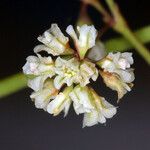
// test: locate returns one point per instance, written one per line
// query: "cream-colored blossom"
(43, 96)
(87, 71)
(67, 72)
(119, 63)
(61, 81)
(62, 102)
(54, 41)
(86, 39)
(114, 82)
(72, 71)
(82, 101)
(102, 110)
(39, 68)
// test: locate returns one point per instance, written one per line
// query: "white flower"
(118, 60)
(54, 41)
(82, 101)
(39, 69)
(102, 110)
(119, 63)
(72, 71)
(67, 72)
(61, 102)
(62, 80)
(114, 82)
(86, 40)
(43, 96)
(87, 71)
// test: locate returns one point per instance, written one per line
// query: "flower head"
(63, 77)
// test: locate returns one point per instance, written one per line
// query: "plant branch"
(96, 4)
(122, 27)
(12, 84)
(122, 44)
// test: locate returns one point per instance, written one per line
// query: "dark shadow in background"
(23, 127)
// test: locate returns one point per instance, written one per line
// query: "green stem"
(121, 27)
(122, 44)
(12, 84)
(143, 51)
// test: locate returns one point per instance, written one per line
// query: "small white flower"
(72, 71)
(114, 82)
(86, 40)
(82, 101)
(119, 63)
(54, 41)
(43, 96)
(39, 68)
(61, 102)
(102, 110)
(61, 81)
(67, 72)
(87, 71)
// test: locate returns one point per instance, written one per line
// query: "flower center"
(69, 72)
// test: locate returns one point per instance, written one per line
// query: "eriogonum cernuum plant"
(63, 77)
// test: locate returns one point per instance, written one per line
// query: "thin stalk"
(122, 44)
(12, 84)
(96, 4)
(141, 49)
(121, 26)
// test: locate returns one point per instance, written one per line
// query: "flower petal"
(58, 82)
(43, 96)
(82, 100)
(86, 40)
(61, 102)
(56, 43)
(91, 118)
(115, 83)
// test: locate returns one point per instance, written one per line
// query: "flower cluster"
(62, 78)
